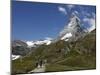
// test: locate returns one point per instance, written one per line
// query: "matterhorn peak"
(74, 21)
(72, 29)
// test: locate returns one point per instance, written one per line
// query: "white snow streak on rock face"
(14, 57)
(68, 35)
(66, 39)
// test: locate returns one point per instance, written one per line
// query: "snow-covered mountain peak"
(72, 29)
(47, 41)
(29, 43)
(73, 23)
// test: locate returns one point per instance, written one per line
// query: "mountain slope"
(61, 56)
(19, 48)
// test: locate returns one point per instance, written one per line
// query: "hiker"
(36, 65)
(41, 63)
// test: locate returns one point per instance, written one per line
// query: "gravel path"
(38, 69)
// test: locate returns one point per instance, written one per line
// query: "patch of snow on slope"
(30, 43)
(14, 57)
(38, 42)
(68, 35)
(66, 39)
(47, 42)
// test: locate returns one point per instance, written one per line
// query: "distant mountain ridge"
(38, 42)
(20, 47)
(18, 43)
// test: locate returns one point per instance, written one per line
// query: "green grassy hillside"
(61, 56)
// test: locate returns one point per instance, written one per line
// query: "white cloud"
(48, 38)
(76, 12)
(94, 15)
(91, 22)
(30, 43)
(70, 6)
(62, 9)
(86, 14)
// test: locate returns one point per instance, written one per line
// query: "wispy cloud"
(91, 22)
(76, 12)
(48, 38)
(62, 10)
(85, 14)
(94, 15)
(70, 6)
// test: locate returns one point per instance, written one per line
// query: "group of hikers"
(40, 63)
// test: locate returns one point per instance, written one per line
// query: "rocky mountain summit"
(73, 30)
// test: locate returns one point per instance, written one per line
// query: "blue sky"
(34, 21)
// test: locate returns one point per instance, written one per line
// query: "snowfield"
(14, 57)
(34, 43)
